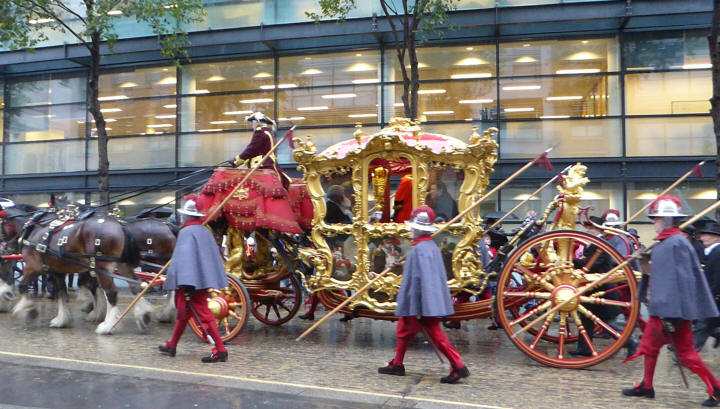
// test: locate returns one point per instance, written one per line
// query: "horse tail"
(131, 250)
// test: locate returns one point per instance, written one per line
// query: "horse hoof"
(57, 323)
(104, 329)
(32, 315)
(87, 308)
(144, 321)
(8, 296)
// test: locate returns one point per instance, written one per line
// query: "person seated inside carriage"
(262, 141)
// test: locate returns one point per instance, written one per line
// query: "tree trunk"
(715, 100)
(102, 138)
(414, 77)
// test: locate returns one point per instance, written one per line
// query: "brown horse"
(95, 244)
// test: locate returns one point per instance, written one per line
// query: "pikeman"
(196, 266)
(424, 298)
(678, 293)
(261, 142)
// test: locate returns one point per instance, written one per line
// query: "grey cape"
(424, 291)
(196, 261)
(677, 285)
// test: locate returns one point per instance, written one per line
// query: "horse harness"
(62, 224)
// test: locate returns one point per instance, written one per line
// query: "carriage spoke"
(561, 340)
(611, 290)
(534, 294)
(234, 314)
(226, 324)
(604, 301)
(544, 328)
(542, 307)
(284, 307)
(267, 311)
(531, 276)
(598, 321)
(277, 312)
(583, 332)
(591, 261)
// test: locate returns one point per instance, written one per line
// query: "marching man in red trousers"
(678, 293)
(196, 266)
(424, 298)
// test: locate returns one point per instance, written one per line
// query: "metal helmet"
(666, 206)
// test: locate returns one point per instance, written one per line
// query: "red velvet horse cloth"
(262, 202)
(300, 203)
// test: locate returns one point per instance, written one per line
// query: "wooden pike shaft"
(205, 222)
(669, 188)
(533, 194)
(344, 303)
(590, 286)
(490, 193)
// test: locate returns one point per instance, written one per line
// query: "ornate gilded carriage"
(366, 162)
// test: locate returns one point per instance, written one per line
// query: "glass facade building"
(631, 103)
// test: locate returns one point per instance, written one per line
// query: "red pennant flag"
(697, 171)
(544, 162)
(290, 138)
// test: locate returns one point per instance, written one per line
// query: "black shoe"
(307, 316)
(455, 375)
(347, 318)
(165, 349)
(632, 346)
(581, 352)
(215, 357)
(717, 342)
(639, 390)
(493, 327)
(714, 399)
(392, 369)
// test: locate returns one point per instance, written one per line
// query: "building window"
(670, 136)
(694, 195)
(252, 74)
(601, 196)
(140, 82)
(657, 50)
(439, 63)
(138, 117)
(45, 157)
(46, 122)
(136, 153)
(683, 92)
(329, 105)
(205, 149)
(559, 57)
(213, 113)
(360, 67)
(46, 91)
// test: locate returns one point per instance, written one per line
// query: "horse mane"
(26, 207)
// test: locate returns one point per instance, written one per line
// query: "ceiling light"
(469, 48)
(471, 75)
(564, 98)
(311, 71)
(216, 78)
(106, 110)
(167, 81)
(361, 66)
(114, 12)
(209, 130)
(106, 128)
(258, 61)
(201, 91)
(256, 101)
(520, 87)
(709, 194)
(438, 112)
(106, 120)
(358, 55)
(170, 106)
(128, 84)
(585, 41)
(584, 56)
(579, 71)
(223, 122)
(525, 59)
(164, 116)
(475, 101)
(519, 109)
(366, 81)
(646, 196)
(160, 126)
(279, 86)
(398, 104)
(431, 91)
(318, 108)
(41, 21)
(113, 98)
(471, 61)
(526, 45)
(554, 116)
(338, 96)
(297, 118)
(696, 66)
(237, 112)
(362, 115)
(262, 74)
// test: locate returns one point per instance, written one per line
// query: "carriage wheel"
(230, 308)
(277, 304)
(540, 274)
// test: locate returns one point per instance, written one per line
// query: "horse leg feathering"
(64, 317)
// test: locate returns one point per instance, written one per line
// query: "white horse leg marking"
(112, 316)
(7, 296)
(27, 307)
(64, 317)
(168, 312)
(142, 312)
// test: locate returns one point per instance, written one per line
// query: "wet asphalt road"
(334, 367)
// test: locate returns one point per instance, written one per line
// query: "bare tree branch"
(69, 10)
